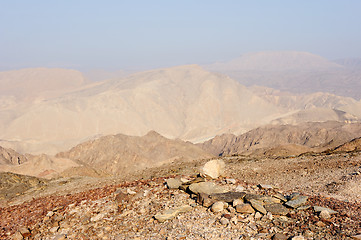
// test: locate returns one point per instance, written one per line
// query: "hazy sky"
(145, 34)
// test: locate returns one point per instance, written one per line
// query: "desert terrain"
(223, 151)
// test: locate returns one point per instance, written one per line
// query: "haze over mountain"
(185, 102)
(298, 72)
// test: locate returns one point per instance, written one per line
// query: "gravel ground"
(95, 214)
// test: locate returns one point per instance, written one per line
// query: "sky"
(135, 34)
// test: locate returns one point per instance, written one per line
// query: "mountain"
(353, 145)
(11, 157)
(121, 154)
(183, 102)
(297, 72)
(42, 83)
(33, 165)
(298, 138)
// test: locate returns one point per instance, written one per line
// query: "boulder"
(214, 168)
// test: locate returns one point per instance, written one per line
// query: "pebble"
(324, 214)
(217, 206)
(356, 237)
(237, 202)
(244, 208)
(279, 236)
(224, 221)
(298, 238)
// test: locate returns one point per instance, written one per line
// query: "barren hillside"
(293, 138)
(121, 154)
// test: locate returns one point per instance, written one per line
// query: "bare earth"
(332, 181)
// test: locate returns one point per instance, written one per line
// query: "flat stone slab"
(280, 197)
(171, 213)
(276, 209)
(173, 183)
(256, 204)
(206, 187)
(320, 209)
(297, 201)
(227, 196)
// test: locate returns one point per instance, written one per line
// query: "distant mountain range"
(297, 72)
(52, 110)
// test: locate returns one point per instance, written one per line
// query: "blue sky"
(138, 34)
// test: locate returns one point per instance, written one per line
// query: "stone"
(60, 237)
(257, 215)
(206, 187)
(356, 237)
(304, 207)
(205, 200)
(256, 204)
(25, 232)
(237, 202)
(250, 196)
(265, 186)
(54, 229)
(239, 188)
(320, 209)
(230, 181)
(217, 206)
(122, 200)
(279, 236)
(244, 208)
(320, 224)
(173, 183)
(276, 209)
(280, 197)
(297, 201)
(171, 213)
(97, 217)
(324, 214)
(300, 237)
(131, 192)
(224, 221)
(228, 196)
(17, 236)
(214, 168)
(227, 215)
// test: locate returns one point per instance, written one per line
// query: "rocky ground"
(267, 198)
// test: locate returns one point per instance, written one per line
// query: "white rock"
(217, 206)
(237, 201)
(131, 192)
(214, 168)
(230, 181)
(239, 188)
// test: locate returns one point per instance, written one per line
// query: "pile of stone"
(230, 200)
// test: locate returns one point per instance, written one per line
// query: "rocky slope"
(121, 154)
(11, 157)
(263, 200)
(294, 138)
